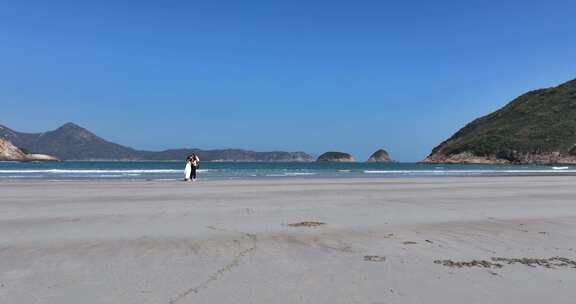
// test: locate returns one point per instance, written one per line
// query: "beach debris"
(307, 224)
(550, 263)
(374, 258)
(409, 243)
(555, 262)
(429, 241)
(473, 263)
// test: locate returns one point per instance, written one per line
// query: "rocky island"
(9, 152)
(336, 157)
(380, 156)
(538, 127)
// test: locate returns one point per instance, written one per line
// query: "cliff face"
(337, 157)
(72, 142)
(9, 152)
(380, 156)
(538, 127)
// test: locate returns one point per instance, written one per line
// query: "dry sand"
(361, 241)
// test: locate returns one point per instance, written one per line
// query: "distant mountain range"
(538, 127)
(72, 142)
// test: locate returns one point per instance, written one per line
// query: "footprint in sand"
(307, 224)
(374, 258)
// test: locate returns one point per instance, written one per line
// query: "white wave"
(388, 171)
(90, 171)
(299, 173)
(376, 172)
(560, 168)
(102, 175)
(290, 174)
(464, 171)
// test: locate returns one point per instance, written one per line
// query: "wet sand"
(435, 240)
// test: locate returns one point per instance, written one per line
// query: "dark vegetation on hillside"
(541, 121)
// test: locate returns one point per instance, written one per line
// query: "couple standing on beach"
(192, 164)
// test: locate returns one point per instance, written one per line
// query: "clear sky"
(291, 75)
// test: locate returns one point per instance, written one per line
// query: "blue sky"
(309, 75)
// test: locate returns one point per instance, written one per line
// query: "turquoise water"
(226, 171)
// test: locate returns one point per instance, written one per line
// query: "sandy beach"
(434, 240)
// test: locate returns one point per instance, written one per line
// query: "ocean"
(173, 171)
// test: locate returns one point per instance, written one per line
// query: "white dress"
(188, 170)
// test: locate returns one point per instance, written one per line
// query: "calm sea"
(226, 171)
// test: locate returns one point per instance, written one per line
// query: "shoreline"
(286, 179)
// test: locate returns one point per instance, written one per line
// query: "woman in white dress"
(188, 169)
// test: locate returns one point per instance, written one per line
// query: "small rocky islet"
(380, 156)
(336, 157)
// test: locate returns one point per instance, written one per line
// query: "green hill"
(380, 156)
(538, 127)
(338, 157)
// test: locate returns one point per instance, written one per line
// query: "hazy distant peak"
(5, 128)
(7, 133)
(75, 131)
(70, 126)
